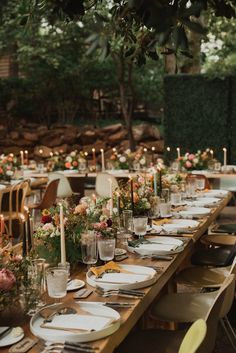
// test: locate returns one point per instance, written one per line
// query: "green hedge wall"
(200, 113)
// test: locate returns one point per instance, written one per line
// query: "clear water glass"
(200, 183)
(165, 194)
(165, 208)
(106, 248)
(140, 225)
(89, 249)
(127, 220)
(57, 278)
(175, 198)
(37, 275)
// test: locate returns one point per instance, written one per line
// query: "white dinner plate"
(178, 225)
(75, 284)
(194, 212)
(14, 336)
(94, 313)
(159, 246)
(135, 277)
(215, 193)
(204, 201)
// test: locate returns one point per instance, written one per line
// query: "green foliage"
(200, 117)
(219, 58)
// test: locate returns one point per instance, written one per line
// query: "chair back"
(50, 195)
(18, 195)
(214, 313)
(64, 188)
(194, 337)
(102, 185)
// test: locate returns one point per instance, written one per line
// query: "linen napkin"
(161, 221)
(79, 322)
(120, 278)
(111, 266)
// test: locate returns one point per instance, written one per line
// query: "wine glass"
(106, 248)
(89, 249)
(57, 278)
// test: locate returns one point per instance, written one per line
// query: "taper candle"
(178, 152)
(103, 159)
(212, 153)
(63, 240)
(94, 158)
(111, 197)
(132, 194)
(225, 156)
(26, 156)
(22, 157)
(155, 183)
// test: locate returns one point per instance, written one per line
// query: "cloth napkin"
(161, 221)
(111, 266)
(123, 278)
(79, 322)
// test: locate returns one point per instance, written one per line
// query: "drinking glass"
(165, 194)
(140, 225)
(165, 208)
(200, 183)
(89, 249)
(106, 248)
(66, 266)
(57, 278)
(37, 275)
(127, 219)
(175, 198)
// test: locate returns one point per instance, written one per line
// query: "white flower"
(73, 154)
(9, 172)
(122, 159)
(48, 227)
(142, 161)
(69, 159)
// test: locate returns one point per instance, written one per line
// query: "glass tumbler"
(140, 225)
(106, 248)
(57, 278)
(89, 249)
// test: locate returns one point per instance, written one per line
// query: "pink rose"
(188, 164)
(191, 156)
(7, 279)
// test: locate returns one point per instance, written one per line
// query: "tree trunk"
(127, 104)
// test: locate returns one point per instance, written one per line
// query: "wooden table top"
(129, 317)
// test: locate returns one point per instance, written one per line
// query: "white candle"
(178, 152)
(225, 156)
(63, 240)
(31, 223)
(26, 156)
(22, 157)
(111, 198)
(212, 153)
(103, 159)
(155, 183)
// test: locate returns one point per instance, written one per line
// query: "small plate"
(75, 284)
(12, 337)
(119, 252)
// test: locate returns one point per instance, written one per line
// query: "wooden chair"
(164, 341)
(13, 203)
(49, 197)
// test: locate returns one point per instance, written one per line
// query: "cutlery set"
(58, 347)
(128, 293)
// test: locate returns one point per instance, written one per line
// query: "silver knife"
(5, 331)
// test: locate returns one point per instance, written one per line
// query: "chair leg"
(229, 331)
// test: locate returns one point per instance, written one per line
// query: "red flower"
(46, 219)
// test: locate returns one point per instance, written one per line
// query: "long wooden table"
(129, 317)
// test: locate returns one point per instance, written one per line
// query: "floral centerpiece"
(8, 166)
(72, 160)
(139, 193)
(90, 214)
(121, 161)
(139, 160)
(17, 295)
(196, 161)
(172, 181)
